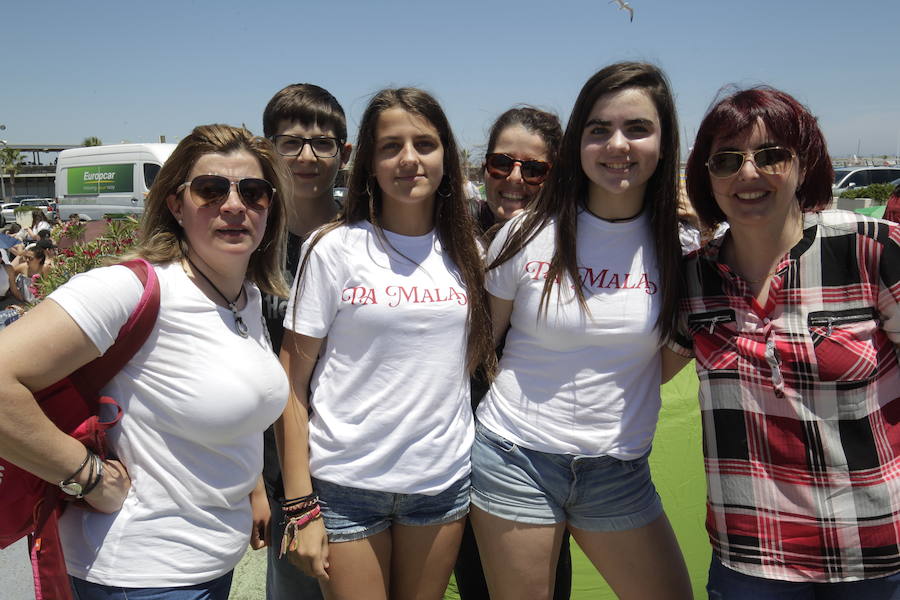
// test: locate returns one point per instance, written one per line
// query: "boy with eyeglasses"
(309, 130)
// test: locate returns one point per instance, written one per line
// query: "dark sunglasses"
(771, 161)
(499, 166)
(255, 193)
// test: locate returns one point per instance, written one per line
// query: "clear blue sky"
(135, 70)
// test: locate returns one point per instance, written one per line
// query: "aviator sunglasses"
(774, 160)
(499, 166)
(255, 193)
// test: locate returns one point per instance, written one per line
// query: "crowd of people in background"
(29, 253)
(424, 379)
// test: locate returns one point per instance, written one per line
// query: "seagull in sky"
(624, 6)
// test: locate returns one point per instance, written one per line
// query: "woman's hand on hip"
(110, 493)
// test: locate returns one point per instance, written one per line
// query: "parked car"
(855, 177)
(48, 205)
(6, 212)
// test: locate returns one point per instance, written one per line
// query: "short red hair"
(788, 122)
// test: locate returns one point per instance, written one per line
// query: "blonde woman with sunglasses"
(170, 517)
(793, 317)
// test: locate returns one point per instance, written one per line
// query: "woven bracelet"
(293, 525)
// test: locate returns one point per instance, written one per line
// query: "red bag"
(31, 506)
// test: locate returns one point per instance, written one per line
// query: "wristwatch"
(72, 488)
(69, 485)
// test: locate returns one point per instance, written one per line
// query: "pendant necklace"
(239, 324)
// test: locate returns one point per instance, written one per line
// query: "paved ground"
(15, 573)
(250, 577)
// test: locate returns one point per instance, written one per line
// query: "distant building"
(38, 173)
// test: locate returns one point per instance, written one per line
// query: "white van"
(107, 180)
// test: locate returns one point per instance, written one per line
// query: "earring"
(448, 191)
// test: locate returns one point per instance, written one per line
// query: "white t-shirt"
(390, 392)
(196, 399)
(573, 382)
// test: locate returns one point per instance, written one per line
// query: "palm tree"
(11, 163)
(92, 141)
(465, 157)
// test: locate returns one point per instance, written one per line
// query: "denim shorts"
(599, 493)
(352, 514)
(217, 589)
(725, 583)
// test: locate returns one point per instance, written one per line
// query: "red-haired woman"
(794, 321)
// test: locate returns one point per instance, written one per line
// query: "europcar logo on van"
(96, 179)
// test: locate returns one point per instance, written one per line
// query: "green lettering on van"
(97, 179)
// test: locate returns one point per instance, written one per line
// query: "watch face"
(72, 489)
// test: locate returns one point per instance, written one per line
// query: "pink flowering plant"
(78, 255)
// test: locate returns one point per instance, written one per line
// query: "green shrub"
(879, 192)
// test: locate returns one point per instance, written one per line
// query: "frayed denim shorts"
(595, 493)
(352, 514)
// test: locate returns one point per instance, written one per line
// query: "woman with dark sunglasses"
(170, 517)
(521, 148)
(583, 286)
(522, 145)
(793, 317)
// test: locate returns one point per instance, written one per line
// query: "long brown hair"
(565, 192)
(452, 219)
(162, 238)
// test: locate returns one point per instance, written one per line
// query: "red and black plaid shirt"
(800, 403)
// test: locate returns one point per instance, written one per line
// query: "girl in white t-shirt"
(39, 223)
(583, 285)
(386, 321)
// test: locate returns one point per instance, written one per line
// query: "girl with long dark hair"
(395, 284)
(586, 283)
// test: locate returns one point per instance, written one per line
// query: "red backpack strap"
(132, 335)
